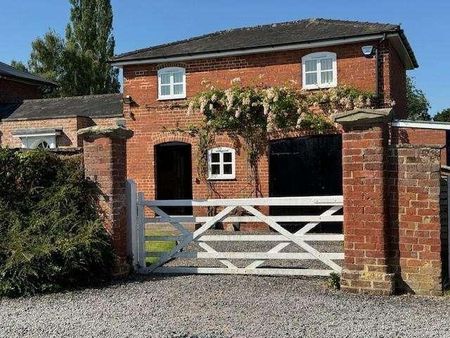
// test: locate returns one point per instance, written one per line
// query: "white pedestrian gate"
(195, 243)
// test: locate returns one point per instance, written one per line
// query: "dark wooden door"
(174, 175)
(306, 166)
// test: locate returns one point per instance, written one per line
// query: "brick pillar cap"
(96, 132)
(363, 117)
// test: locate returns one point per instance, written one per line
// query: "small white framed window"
(43, 138)
(221, 163)
(171, 83)
(319, 70)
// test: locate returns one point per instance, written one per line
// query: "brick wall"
(365, 211)
(418, 136)
(277, 68)
(393, 208)
(415, 222)
(444, 226)
(397, 83)
(105, 163)
(15, 91)
(148, 117)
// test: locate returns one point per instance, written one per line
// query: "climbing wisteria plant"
(253, 113)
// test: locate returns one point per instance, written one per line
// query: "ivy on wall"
(252, 113)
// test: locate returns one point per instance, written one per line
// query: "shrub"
(51, 236)
(334, 281)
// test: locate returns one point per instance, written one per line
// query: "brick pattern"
(393, 212)
(397, 83)
(417, 136)
(105, 163)
(276, 68)
(365, 214)
(444, 226)
(415, 228)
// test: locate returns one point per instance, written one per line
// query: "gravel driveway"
(223, 306)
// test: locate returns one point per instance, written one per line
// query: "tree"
(19, 65)
(442, 116)
(79, 63)
(417, 103)
(89, 45)
(46, 56)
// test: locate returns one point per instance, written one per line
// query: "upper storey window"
(319, 70)
(171, 83)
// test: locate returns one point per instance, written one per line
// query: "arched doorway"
(174, 174)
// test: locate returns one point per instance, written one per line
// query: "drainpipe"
(377, 72)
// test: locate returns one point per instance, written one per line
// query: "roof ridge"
(72, 97)
(357, 22)
(292, 22)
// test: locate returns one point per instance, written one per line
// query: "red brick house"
(28, 121)
(313, 54)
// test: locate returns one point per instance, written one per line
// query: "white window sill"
(167, 98)
(222, 178)
(317, 87)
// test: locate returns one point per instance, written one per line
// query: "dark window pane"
(227, 157)
(227, 169)
(215, 157)
(215, 169)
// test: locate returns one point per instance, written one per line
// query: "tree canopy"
(19, 65)
(79, 62)
(417, 103)
(442, 116)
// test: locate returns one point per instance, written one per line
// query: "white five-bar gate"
(193, 242)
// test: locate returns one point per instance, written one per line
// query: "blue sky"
(142, 23)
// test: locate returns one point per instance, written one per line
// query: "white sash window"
(319, 70)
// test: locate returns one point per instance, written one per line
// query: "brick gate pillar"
(105, 163)
(366, 221)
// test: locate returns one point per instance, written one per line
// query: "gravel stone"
(223, 306)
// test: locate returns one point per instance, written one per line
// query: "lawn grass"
(157, 246)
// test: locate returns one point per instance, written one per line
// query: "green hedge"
(51, 237)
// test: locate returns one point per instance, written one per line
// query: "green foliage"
(442, 116)
(79, 63)
(334, 281)
(19, 65)
(254, 113)
(417, 103)
(46, 56)
(51, 236)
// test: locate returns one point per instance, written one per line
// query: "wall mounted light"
(368, 51)
(128, 99)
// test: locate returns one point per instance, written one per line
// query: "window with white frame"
(42, 138)
(319, 70)
(171, 83)
(221, 164)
